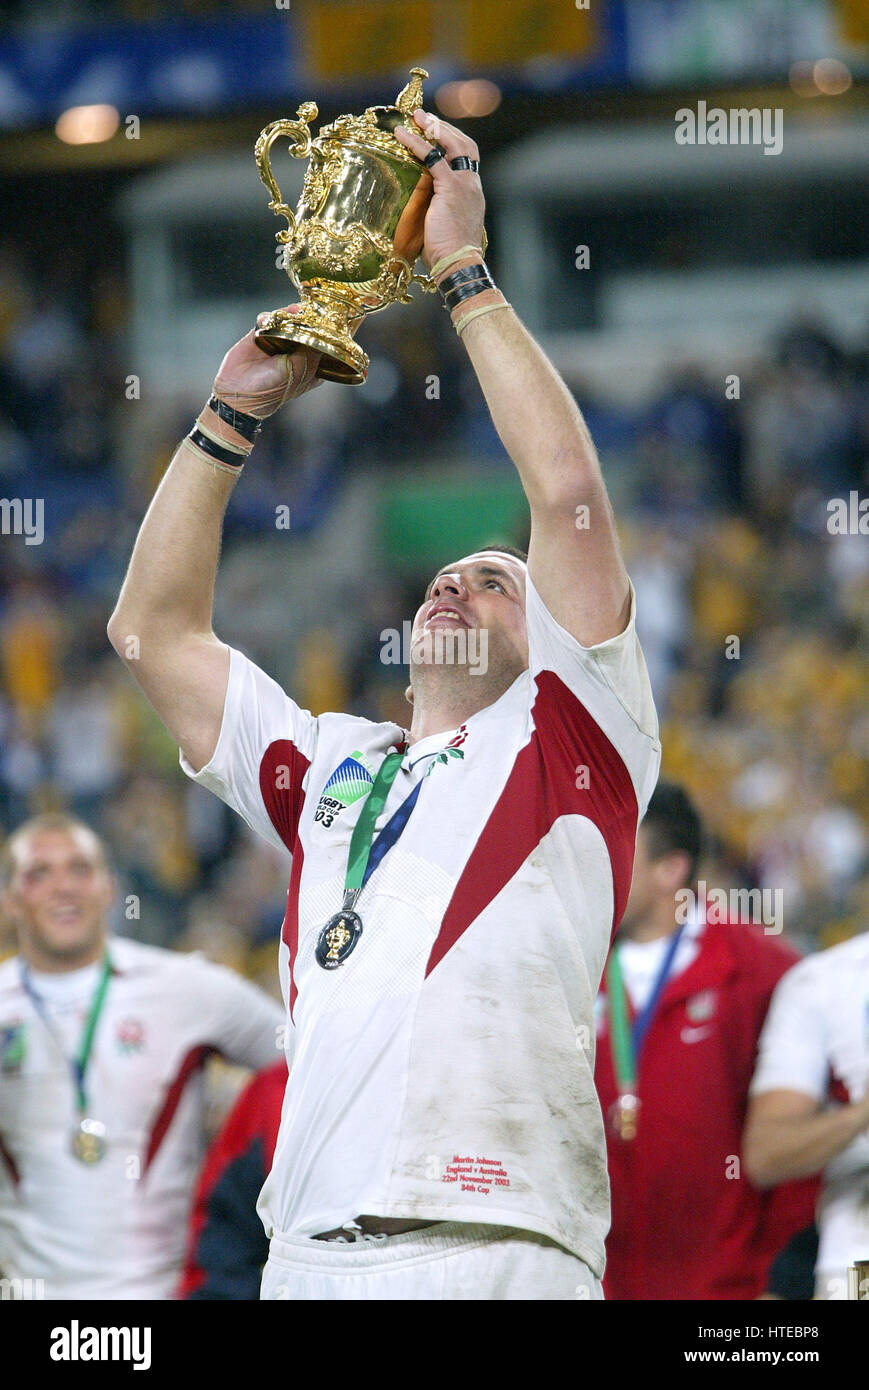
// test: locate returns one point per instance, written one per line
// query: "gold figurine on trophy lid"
(357, 230)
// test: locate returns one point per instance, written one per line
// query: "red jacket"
(686, 1222)
(227, 1246)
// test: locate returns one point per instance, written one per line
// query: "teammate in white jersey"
(810, 1101)
(102, 1042)
(454, 885)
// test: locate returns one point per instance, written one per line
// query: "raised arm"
(162, 623)
(574, 556)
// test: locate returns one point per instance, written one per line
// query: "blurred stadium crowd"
(754, 617)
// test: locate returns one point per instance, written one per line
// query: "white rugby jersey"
(816, 1040)
(115, 1229)
(445, 1069)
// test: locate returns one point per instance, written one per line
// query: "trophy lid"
(376, 126)
(387, 117)
(408, 100)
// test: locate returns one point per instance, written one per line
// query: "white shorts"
(452, 1260)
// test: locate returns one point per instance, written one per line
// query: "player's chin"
(69, 938)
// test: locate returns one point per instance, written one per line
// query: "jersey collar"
(713, 965)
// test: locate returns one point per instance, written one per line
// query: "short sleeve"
(263, 753)
(239, 1019)
(610, 680)
(793, 1053)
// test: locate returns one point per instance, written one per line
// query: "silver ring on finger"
(463, 162)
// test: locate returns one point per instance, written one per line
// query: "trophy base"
(342, 360)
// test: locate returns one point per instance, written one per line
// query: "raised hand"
(257, 383)
(455, 213)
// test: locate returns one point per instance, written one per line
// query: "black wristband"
(215, 451)
(463, 292)
(247, 425)
(459, 292)
(462, 277)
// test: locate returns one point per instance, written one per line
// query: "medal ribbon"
(365, 857)
(627, 1040)
(77, 1064)
(624, 1060)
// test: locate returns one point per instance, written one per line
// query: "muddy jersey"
(444, 1069)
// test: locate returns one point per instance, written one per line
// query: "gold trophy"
(354, 238)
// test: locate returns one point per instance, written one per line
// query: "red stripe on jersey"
(281, 773)
(194, 1059)
(837, 1090)
(10, 1163)
(542, 787)
(290, 929)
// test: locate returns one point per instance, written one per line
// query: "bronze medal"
(624, 1115)
(88, 1142)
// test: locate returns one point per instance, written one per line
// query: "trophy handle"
(426, 281)
(298, 132)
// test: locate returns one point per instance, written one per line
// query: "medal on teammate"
(88, 1141)
(341, 933)
(624, 1115)
(88, 1138)
(626, 1038)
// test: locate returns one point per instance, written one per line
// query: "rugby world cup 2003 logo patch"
(351, 780)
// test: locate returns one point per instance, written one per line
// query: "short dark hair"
(508, 550)
(672, 823)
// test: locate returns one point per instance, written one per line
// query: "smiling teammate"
(454, 886)
(102, 1101)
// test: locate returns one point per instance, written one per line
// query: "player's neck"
(445, 699)
(653, 927)
(46, 963)
(442, 717)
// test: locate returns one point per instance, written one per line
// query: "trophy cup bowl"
(352, 242)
